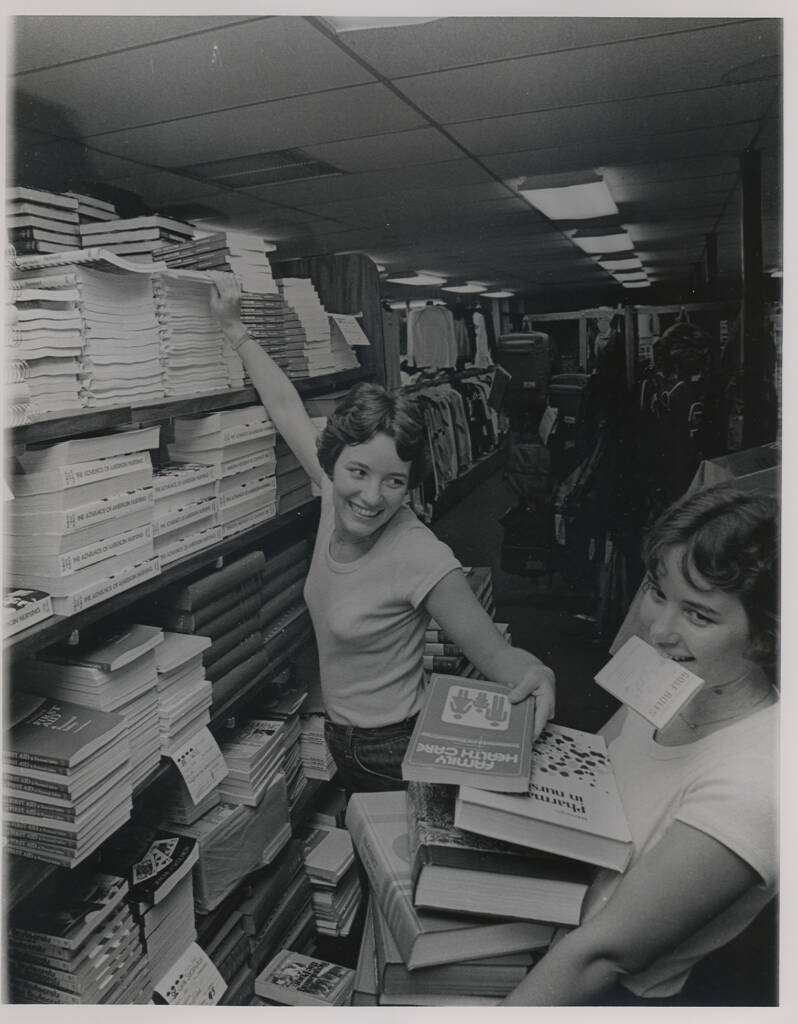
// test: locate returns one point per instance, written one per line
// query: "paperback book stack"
(440, 653)
(221, 934)
(158, 867)
(91, 209)
(186, 510)
(184, 694)
(307, 346)
(23, 608)
(254, 755)
(330, 865)
(110, 670)
(240, 252)
(195, 356)
(75, 941)
(294, 979)
(277, 911)
(293, 483)
(265, 316)
(317, 761)
(81, 519)
(41, 222)
(17, 407)
(239, 445)
(137, 238)
(282, 701)
(66, 770)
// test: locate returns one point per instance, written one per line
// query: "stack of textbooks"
(23, 608)
(185, 515)
(67, 778)
(317, 761)
(91, 209)
(330, 865)
(306, 329)
(242, 253)
(41, 222)
(193, 349)
(254, 754)
(184, 694)
(137, 238)
(414, 940)
(75, 941)
(81, 518)
(109, 670)
(239, 445)
(17, 407)
(293, 483)
(282, 702)
(294, 979)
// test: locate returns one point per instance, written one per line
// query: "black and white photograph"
(357, 359)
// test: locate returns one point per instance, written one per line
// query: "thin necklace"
(725, 718)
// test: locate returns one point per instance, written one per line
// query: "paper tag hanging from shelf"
(349, 327)
(201, 764)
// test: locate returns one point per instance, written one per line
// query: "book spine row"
(105, 588)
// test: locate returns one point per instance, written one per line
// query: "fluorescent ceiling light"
(636, 284)
(628, 275)
(498, 295)
(431, 280)
(627, 263)
(469, 288)
(398, 305)
(573, 202)
(597, 244)
(355, 24)
(420, 303)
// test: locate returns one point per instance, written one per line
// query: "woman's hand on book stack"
(538, 682)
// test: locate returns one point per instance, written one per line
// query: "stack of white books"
(239, 445)
(137, 238)
(241, 252)
(184, 694)
(284, 699)
(66, 769)
(330, 864)
(307, 335)
(41, 221)
(111, 670)
(185, 517)
(254, 754)
(195, 355)
(80, 524)
(317, 760)
(17, 407)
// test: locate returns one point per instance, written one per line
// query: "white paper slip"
(349, 327)
(193, 980)
(653, 686)
(201, 764)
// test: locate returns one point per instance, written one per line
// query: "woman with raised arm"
(700, 794)
(377, 573)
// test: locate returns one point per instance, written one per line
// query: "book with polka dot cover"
(572, 807)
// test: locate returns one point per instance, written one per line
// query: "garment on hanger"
(482, 357)
(430, 337)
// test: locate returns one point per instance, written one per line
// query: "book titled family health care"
(468, 733)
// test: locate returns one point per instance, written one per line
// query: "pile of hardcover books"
(66, 770)
(186, 510)
(91, 209)
(239, 445)
(195, 354)
(330, 865)
(75, 941)
(38, 221)
(110, 670)
(81, 518)
(137, 238)
(240, 252)
(184, 694)
(294, 979)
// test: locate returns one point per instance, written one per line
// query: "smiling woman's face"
(705, 628)
(370, 483)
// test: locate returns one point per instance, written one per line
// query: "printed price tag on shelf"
(193, 981)
(348, 326)
(655, 687)
(201, 764)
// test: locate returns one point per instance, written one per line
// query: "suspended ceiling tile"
(160, 187)
(649, 116)
(41, 40)
(267, 59)
(383, 152)
(283, 124)
(694, 167)
(606, 72)
(453, 42)
(630, 191)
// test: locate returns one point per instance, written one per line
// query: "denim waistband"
(376, 730)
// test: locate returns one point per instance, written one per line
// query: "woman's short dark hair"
(731, 542)
(367, 410)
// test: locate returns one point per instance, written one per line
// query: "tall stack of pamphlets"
(195, 354)
(74, 941)
(81, 518)
(241, 252)
(17, 407)
(430, 957)
(331, 868)
(66, 770)
(184, 694)
(293, 482)
(294, 979)
(317, 761)
(38, 221)
(137, 238)
(254, 754)
(239, 445)
(91, 209)
(186, 510)
(283, 701)
(307, 337)
(109, 669)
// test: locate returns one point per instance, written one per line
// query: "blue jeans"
(369, 760)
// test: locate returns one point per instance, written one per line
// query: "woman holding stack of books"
(700, 794)
(377, 574)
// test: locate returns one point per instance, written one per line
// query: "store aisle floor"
(553, 619)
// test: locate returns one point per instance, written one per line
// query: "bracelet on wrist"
(237, 342)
